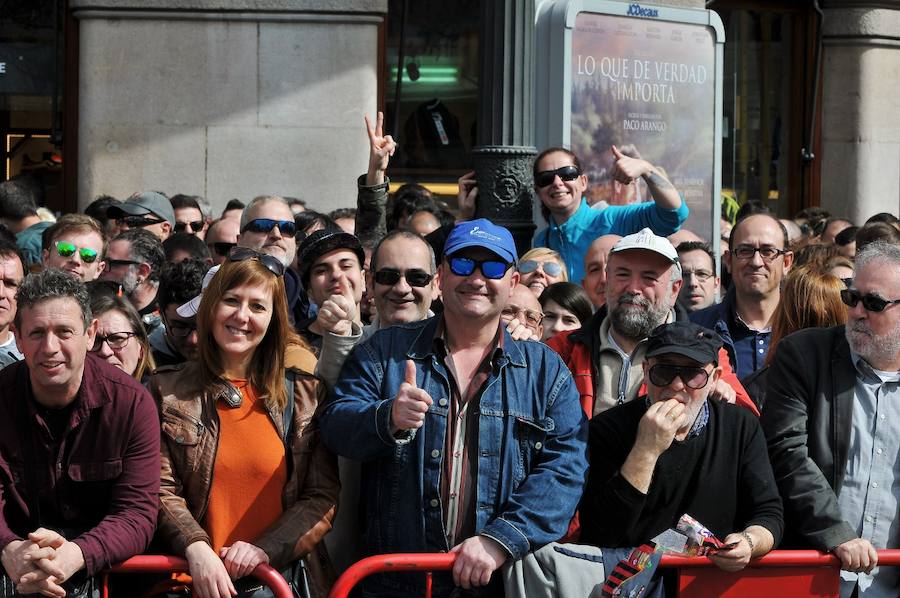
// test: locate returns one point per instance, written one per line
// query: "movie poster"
(648, 87)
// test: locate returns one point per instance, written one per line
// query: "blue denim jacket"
(532, 452)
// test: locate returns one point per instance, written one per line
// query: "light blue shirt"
(573, 237)
(870, 494)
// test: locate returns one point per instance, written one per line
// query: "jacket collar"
(423, 347)
(843, 385)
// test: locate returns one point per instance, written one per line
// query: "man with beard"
(134, 261)
(607, 352)
(832, 420)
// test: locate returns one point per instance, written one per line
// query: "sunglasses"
(566, 173)
(272, 264)
(493, 269)
(196, 226)
(115, 340)
(86, 254)
(548, 268)
(139, 221)
(221, 248)
(693, 377)
(110, 264)
(415, 277)
(265, 225)
(870, 302)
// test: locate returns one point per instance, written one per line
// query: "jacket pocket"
(182, 434)
(531, 435)
(95, 471)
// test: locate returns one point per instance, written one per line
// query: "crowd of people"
(285, 387)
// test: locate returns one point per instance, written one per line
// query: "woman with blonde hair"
(539, 268)
(810, 298)
(245, 478)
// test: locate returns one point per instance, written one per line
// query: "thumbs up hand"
(411, 403)
(626, 169)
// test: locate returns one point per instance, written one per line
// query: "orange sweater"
(249, 474)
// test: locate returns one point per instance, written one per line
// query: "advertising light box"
(647, 79)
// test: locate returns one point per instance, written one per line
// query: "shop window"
(433, 115)
(30, 94)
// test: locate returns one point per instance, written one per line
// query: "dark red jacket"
(104, 478)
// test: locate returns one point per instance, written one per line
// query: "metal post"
(504, 152)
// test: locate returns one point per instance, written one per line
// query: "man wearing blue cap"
(473, 442)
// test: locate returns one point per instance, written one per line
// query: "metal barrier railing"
(788, 573)
(171, 564)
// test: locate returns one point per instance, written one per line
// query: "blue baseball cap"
(482, 233)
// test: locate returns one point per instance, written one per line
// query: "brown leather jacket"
(190, 433)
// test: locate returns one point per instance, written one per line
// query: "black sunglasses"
(196, 226)
(139, 221)
(222, 248)
(110, 264)
(464, 266)
(415, 277)
(265, 225)
(240, 254)
(693, 377)
(870, 302)
(566, 173)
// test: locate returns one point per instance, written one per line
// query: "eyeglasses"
(86, 254)
(180, 328)
(139, 221)
(566, 173)
(221, 248)
(272, 264)
(745, 252)
(265, 225)
(548, 268)
(493, 269)
(196, 226)
(414, 277)
(110, 264)
(701, 275)
(533, 318)
(870, 302)
(115, 340)
(693, 377)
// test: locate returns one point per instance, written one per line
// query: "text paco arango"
(650, 81)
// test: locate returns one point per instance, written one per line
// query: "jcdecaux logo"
(636, 10)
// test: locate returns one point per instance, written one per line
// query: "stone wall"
(860, 124)
(226, 99)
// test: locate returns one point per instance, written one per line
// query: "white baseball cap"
(189, 309)
(648, 241)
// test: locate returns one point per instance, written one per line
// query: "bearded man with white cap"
(607, 352)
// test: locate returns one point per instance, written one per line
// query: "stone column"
(226, 98)
(505, 152)
(860, 128)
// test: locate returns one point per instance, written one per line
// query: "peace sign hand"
(381, 148)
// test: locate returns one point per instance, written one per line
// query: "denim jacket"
(532, 452)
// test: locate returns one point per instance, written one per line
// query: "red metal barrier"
(171, 564)
(781, 573)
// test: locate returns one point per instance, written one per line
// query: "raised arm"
(371, 201)
(627, 170)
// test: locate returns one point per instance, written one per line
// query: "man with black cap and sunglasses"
(832, 419)
(472, 442)
(673, 452)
